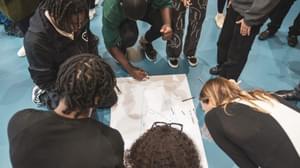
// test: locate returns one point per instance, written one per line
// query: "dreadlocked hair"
(85, 81)
(163, 147)
(63, 10)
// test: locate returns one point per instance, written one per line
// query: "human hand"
(186, 3)
(245, 30)
(166, 31)
(138, 73)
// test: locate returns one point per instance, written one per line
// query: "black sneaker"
(292, 40)
(192, 60)
(215, 70)
(289, 94)
(173, 62)
(265, 35)
(150, 52)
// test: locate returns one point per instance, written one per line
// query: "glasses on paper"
(177, 126)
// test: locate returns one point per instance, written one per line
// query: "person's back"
(67, 136)
(45, 139)
(254, 128)
(257, 134)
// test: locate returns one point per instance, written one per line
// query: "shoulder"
(24, 119)
(25, 114)
(108, 132)
(231, 111)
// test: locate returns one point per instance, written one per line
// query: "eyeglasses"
(177, 126)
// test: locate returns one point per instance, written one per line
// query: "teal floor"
(272, 65)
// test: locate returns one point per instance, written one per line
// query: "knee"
(129, 38)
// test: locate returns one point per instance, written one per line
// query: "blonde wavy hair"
(220, 92)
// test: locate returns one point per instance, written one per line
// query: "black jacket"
(254, 12)
(46, 49)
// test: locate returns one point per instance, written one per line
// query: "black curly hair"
(163, 147)
(69, 15)
(85, 81)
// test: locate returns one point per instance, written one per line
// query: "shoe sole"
(146, 56)
(173, 66)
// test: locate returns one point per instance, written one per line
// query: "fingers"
(249, 31)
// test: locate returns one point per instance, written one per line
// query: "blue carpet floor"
(272, 65)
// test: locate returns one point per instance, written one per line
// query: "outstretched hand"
(138, 73)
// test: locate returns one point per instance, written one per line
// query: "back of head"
(163, 147)
(68, 15)
(220, 90)
(134, 9)
(85, 81)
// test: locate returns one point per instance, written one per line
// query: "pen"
(188, 99)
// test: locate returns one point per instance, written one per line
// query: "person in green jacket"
(120, 29)
(19, 11)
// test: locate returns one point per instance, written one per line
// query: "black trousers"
(295, 28)
(197, 12)
(278, 14)
(233, 48)
(221, 4)
(129, 30)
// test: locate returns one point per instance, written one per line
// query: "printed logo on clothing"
(84, 36)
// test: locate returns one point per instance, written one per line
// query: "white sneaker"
(36, 95)
(92, 13)
(97, 2)
(173, 62)
(21, 52)
(219, 18)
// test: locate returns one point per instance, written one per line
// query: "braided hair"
(163, 147)
(69, 15)
(85, 81)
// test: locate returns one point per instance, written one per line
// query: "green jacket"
(16, 10)
(113, 17)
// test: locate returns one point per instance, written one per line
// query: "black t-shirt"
(251, 138)
(43, 139)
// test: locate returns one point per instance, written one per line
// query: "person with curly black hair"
(58, 30)
(67, 136)
(163, 146)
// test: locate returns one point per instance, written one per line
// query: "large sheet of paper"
(141, 103)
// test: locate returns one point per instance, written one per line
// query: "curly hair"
(163, 147)
(63, 10)
(85, 81)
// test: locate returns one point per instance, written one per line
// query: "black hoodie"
(46, 49)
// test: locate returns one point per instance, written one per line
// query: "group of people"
(73, 80)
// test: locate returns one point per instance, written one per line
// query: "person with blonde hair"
(255, 128)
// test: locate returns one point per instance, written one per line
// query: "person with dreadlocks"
(163, 146)
(67, 137)
(120, 30)
(58, 30)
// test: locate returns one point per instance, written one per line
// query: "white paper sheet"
(141, 103)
